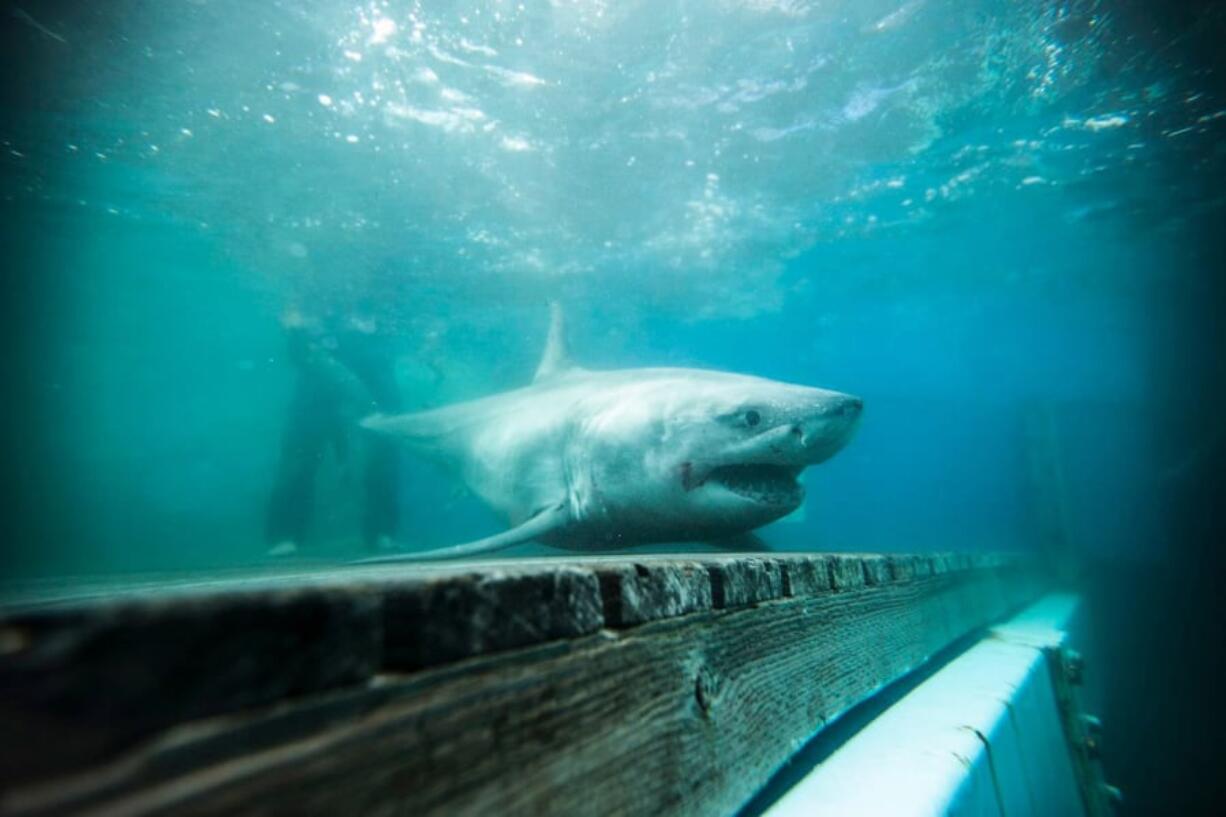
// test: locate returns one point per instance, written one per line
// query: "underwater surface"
(997, 222)
(969, 214)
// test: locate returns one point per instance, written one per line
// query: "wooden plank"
(846, 572)
(445, 618)
(626, 688)
(99, 675)
(644, 591)
(78, 684)
(742, 581)
(806, 575)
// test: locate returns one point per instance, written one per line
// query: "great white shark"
(592, 460)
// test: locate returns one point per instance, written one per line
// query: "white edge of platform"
(981, 737)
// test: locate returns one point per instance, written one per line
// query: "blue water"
(985, 217)
(970, 214)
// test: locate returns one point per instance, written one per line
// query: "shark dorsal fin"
(555, 360)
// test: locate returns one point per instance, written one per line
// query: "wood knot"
(706, 689)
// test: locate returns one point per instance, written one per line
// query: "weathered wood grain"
(78, 684)
(741, 581)
(640, 591)
(596, 686)
(446, 618)
(805, 575)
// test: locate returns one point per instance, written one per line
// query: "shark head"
(686, 452)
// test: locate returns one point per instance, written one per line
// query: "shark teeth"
(768, 484)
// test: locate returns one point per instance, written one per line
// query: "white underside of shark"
(597, 460)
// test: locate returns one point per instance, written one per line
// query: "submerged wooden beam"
(608, 685)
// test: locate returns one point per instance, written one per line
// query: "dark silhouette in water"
(341, 375)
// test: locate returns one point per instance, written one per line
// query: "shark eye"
(752, 418)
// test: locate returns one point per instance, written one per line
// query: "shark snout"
(831, 427)
(850, 405)
(845, 406)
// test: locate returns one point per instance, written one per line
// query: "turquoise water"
(971, 214)
(999, 223)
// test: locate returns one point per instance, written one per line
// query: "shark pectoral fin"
(545, 521)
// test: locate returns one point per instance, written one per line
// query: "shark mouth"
(766, 484)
